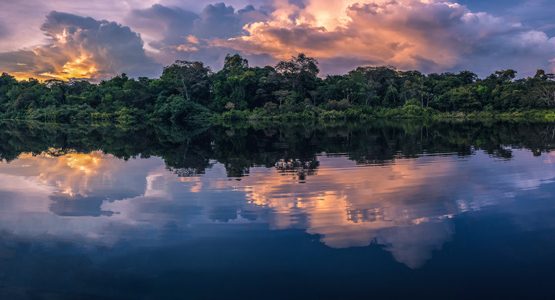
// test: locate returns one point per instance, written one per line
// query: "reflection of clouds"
(352, 206)
(550, 158)
(72, 173)
(155, 185)
(405, 206)
(71, 185)
(413, 245)
(18, 194)
(82, 182)
(196, 183)
(345, 202)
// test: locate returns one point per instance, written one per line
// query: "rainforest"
(188, 92)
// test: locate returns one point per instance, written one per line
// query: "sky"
(62, 39)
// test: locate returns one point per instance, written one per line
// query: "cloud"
(175, 33)
(197, 6)
(536, 13)
(221, 21)
(81, 47)
(431, 35)
(24, 17)
(162, 25)
(412, 34)
(524, 51)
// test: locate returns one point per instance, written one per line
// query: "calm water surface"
(376, 211)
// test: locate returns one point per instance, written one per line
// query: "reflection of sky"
(405, 206)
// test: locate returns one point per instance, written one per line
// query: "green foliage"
(189, 92)
(179, 110)
(189, 79)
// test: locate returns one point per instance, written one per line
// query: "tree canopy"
(190, 90)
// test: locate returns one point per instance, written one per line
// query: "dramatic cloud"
(24, 17)
(162, 25)
(410, 34)
(80, 47)
(174, 33)
(428, 35)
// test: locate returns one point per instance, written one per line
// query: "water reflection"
(406, 205)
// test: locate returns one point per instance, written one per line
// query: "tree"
(190, 79)
(547, 94)
(235, 64)
(234, 84)
(299, 74)
(505, 75)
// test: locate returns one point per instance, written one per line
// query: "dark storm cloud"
(27, 63)
(175, 24)
(222, 21)
(81, 47)
(176, 33)
(169, 25)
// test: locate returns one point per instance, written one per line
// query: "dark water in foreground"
(281, 212)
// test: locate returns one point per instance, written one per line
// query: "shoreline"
(314, 115)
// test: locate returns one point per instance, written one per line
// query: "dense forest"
(189, 91)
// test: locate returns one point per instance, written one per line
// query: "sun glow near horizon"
(423, 35)
(81, 67)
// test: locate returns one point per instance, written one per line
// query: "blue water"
(441, 225)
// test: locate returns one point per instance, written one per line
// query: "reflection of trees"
(288, 147)
(298, 167)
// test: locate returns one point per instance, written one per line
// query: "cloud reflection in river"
(405, 206)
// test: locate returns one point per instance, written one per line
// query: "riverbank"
(366, 114)
(128, 117)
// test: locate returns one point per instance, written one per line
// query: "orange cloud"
(81, 67)
(429, 35)
(322, 29)
(80, 48)
(392, 205)
(71, 173)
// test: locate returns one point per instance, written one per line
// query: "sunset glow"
(394, 205)
(426, 35)
(80, 68)
(277, 149)
(70, 173)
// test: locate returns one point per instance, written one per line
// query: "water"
(460, 210)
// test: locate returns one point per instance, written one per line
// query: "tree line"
(190, 90)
